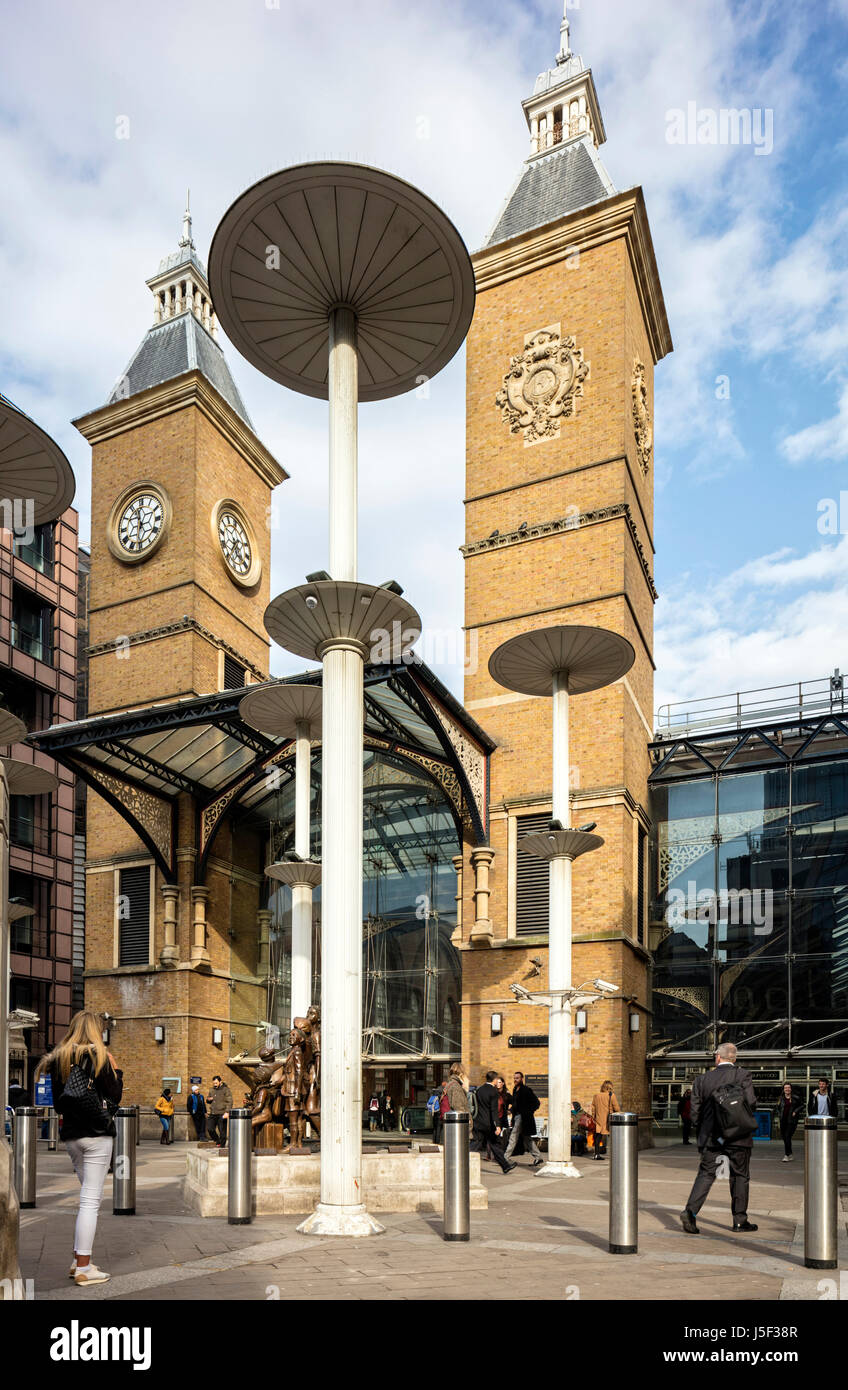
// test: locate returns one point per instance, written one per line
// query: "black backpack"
(733, 1115)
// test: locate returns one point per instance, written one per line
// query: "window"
(133, 910)
(32, 625)
(29, 822)
(37, 552)
(28, 701)
(30, 936)
(532, 882)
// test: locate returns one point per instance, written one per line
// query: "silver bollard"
(26, 1138)
(457, 1207)
(624, 1183)
(240, 1176)
(123, 1181)
(137, 1109)
(52, 1130)
(820, 1197)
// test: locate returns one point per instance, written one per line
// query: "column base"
(327, 1220)
(200, 959)
(169, 957)
(565, 1169)
(482, 934)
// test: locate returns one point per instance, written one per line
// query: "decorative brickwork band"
(169, 630)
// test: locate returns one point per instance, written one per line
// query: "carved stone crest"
(542, 385)
(642, 416)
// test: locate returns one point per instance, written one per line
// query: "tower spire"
(564, 38)
(186, 238)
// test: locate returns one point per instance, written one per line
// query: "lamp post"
(559, 662)
(341, 282)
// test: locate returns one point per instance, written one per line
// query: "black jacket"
(109, 1085)
(813, 1104)
(796, 1110)
(703, 1111)
(198, 1109)
(486, 1120)
(525, 1103)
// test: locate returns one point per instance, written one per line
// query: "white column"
(534, 134)
(301, 964)
(341, 1210)
(561, 800)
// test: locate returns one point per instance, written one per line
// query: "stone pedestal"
(9, 1268)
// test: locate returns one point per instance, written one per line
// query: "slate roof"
(562, 182)
(171, 348)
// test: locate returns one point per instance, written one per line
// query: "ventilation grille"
(532, 882)
(134, 917)
(234, 674)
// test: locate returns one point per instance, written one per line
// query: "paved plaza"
(540, 1238)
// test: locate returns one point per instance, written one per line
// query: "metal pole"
(123, 1182)
(341, 1210)
(559, 1162)
(52, 1131)
(137, 1109)
(240, 1176)
(820, 1195)
(301, 963)
(26, 1137)
(457, 1204)
(624, 1183)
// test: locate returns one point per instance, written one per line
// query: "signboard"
(527, 1040)
(195, 1080)
(44, 1090)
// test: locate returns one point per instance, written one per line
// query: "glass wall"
(411, 971)
(749, 919)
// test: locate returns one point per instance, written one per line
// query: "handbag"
(94, 1112)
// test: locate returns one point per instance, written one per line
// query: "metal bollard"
(137, 1109)
(123, 1182)
(240, 1176)
(820, 1197)
(26, 1138)
(52, 1131)
(624, 1183)
(457, 1208)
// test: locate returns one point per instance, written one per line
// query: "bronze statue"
(311, 1027)
(287, 1090)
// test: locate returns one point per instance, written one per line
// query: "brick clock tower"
(180, 552)
(568, 327)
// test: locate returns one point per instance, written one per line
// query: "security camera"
(520, 992)
(590, 825)
(311, 601)
(605, 987)
(556, 825)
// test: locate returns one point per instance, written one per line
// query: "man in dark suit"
(487, 1126)
(720, 1156)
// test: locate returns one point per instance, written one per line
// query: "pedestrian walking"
(164, 1108)
(604, 1104)
(486, 1124)
(684, 1110)
(525, 1103)
(456, 1089)
(87, 1089)
(388, 1115)
(822, 1101)
(219, 1103)
(373, 1111)
(723, 1106)
(196, 1107)
(788, 1112)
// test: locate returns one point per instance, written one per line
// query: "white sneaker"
(73, 1269)
(90, 1274)
(790, 1158)
(785, 1158)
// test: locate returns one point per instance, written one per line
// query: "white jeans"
(91, 1159)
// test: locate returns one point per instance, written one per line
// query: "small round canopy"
(18, 909)
(27, 779)
(312, 238)
(552, 844)
(32, 467)
(305, 619)
(591, 657)
(295, 872)
(278, 708)
(12, 729)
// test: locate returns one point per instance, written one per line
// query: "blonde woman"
(604, 1104)
(456, 1088)
(86, 1127)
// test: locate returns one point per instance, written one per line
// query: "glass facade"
(749, 915)
(411, 971)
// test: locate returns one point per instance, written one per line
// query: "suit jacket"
(703, 1111)
(813, 1105)
(486, 1119)
(525, 1103)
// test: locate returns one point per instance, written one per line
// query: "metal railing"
(772, 704)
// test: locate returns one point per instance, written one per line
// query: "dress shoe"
(745, 1226)
(687, 1221)
(509, 1167)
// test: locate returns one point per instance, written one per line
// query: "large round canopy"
(12, 729)
(318, 236)
(279, 707)
(590, 657)
(32, 466)
(28, 779)
(304, 620)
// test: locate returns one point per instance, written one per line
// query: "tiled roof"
(171, 348)
(564, 181)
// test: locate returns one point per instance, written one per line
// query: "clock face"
(235, 543)
(140, 523)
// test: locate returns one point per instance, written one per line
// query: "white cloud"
(826, 440)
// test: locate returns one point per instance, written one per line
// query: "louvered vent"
(134, 917)
(532, 882)
(234, 674)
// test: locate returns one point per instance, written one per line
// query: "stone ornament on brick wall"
(542, 385)
(642, 426)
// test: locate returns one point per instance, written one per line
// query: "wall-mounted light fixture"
(159, 1033)
(581, 1020)
(497, 1024)
(217, 1037)
(634, 1023)
(105, 1036)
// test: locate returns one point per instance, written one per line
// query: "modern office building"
(38, 660)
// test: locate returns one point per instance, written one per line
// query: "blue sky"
(751, 250)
